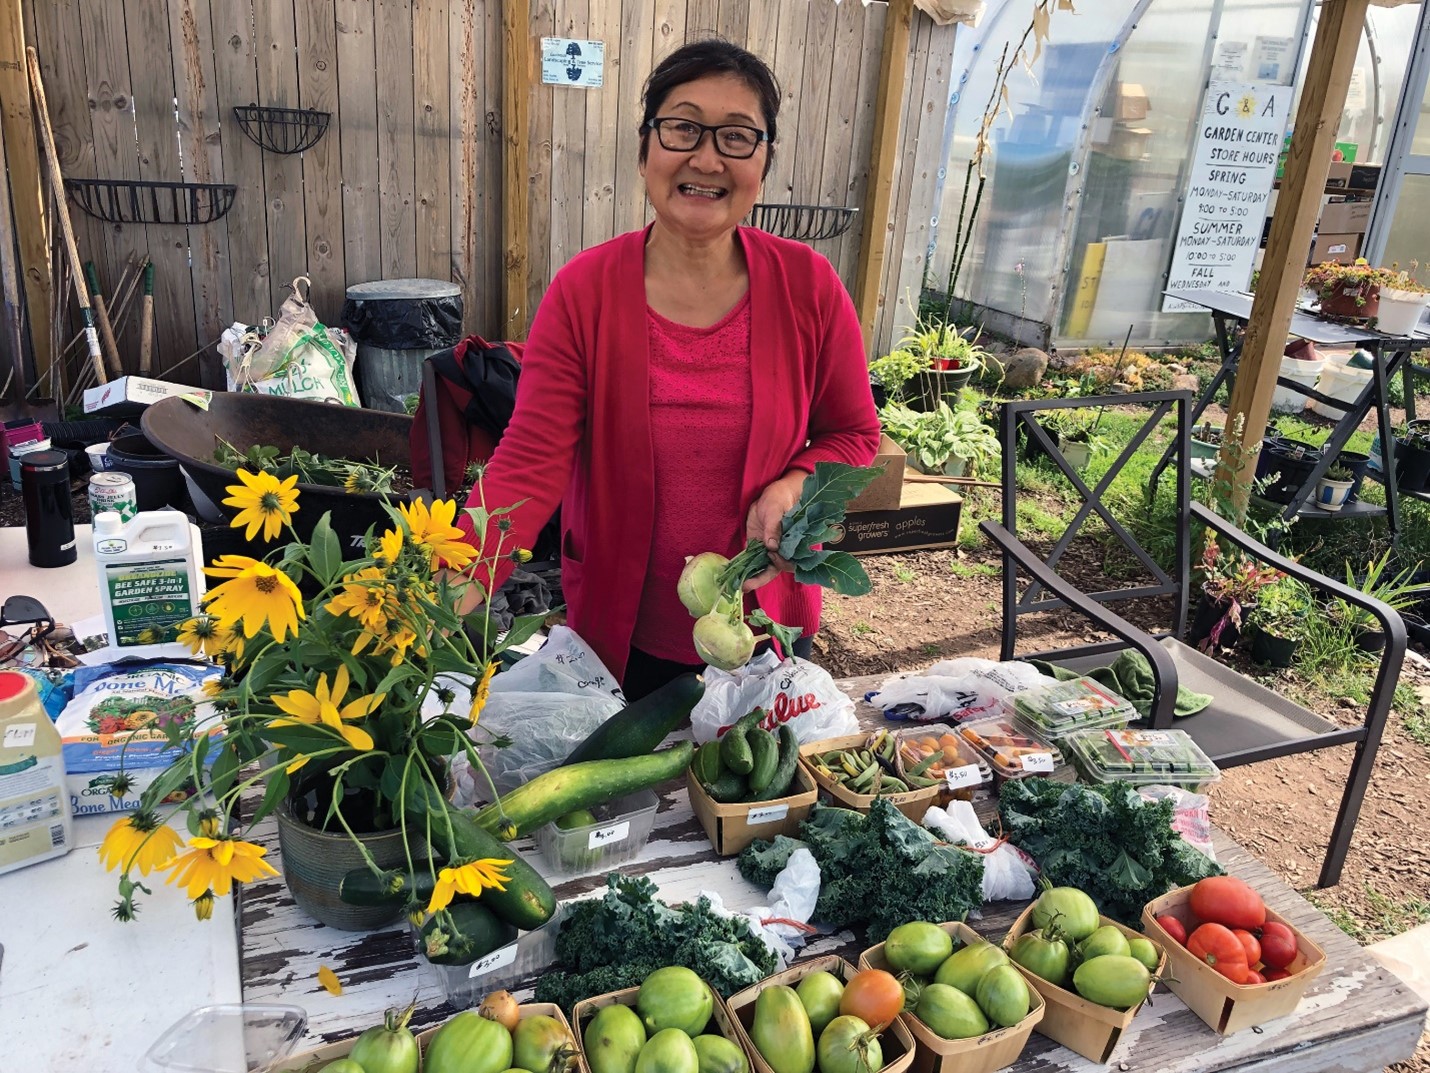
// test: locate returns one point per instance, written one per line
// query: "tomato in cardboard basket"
(1173, 927)
(1228, 901)
(1278, 945)
(1219, 948)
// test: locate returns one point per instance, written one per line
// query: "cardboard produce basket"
(912, 804)
(583, 1011)
(1091, 1030)
(1225, 1006)
(896, 1041)
(981, 1054)
(314, 1060)
(732, 827)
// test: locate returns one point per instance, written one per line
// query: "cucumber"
(639, 728)
(784, 772)
(528, 900)
(585, 785)
(478, 932)
(735, 748)
(707, 764)
(361, 887)
(729, 788)
(766, 752)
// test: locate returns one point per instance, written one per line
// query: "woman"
(680, 382)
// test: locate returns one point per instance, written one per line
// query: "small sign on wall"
(567, 62)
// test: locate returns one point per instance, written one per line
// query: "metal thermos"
(49, 513)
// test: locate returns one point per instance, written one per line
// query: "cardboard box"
(895, 1041)
(1343, 215)
(1091, 1030)
(1225, 1006)
(927, 518)
(731, 828)
(882, 493)
(1341, 248)
(131, 394)
(1131, 102)
(1364, 177)
(1339, 176)
(912, 804)
(982, 1054)
(1129, 143)
(583, 1011)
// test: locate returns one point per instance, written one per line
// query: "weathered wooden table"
(1356, 1017)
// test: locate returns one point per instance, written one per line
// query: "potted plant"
(1357, 463)
(1400, 592)
(943, 440)
(349, 687)
(1206, 440)
(1230, 583)
(1279, 621)
(1402, 300)
(891, 374)
(947, 359)
(1334, 487)
(1412, 457)
(1283, 466)
(1077, 435)
(1351, 290)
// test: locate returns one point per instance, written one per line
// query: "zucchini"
(478, 931)
(727, 789)
(784, 773)
(766, 752)
(528, 900)
(585, 785)
(362, 887)
(735, 748)
(707, 764)
(639, 728)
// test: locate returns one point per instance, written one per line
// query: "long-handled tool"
(62, 213)
(101, 318)
(146, 323)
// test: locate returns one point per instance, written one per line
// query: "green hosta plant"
(932, 438)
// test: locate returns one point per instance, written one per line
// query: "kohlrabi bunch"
(710, 584)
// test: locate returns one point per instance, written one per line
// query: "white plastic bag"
(961, 689)
(1008, 872)
(297, 357)
(793, 691)
(1191, 815)
(792, 899)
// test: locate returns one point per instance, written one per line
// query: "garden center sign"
(1224, 209)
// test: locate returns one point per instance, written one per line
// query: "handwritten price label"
(768, 814)
(20, 736)
(497, 959)
(608, 836)
(1038, 762)
(960, 778)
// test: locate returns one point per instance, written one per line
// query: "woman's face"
(699, 194)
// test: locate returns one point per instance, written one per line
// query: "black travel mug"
(49, 513)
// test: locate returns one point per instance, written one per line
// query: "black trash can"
(396, 324)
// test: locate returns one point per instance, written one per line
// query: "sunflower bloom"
(367, 597)
(264, 502)
(203, 635)
(324, 707)
(139, 840)
(215, 864)
(481, 693)
(432, 530)
(471, 878)
(257, 594)
(389, 547)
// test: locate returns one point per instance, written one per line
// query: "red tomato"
(1254, 977)
(1276, 974)
(1253, 948)
(874, 996)
(1219, 948)
(1173, 927)
(1278, 945)
(1229, 901)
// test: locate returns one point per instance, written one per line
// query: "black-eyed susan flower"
(471, 879)
(368, 597)
(139, 840)
(481, 693)
(264, 502)
(203, 636)
(215, 864)
(324, 707)
(432, 530)
(257, 595)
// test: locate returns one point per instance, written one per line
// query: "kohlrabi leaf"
(786, 635)
(839, 571)
(821, 504)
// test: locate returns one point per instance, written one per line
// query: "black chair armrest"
(1164, 670)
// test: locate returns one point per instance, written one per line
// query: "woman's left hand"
(763, 523)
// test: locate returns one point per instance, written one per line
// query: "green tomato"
(819, 993)
(1105, 940)
(1113, 980)
(1003, 996)
(964, 968)
(950, 1013)
(1145, 951)
(582, 817)
(847, 1045)
(917, 947)
(1045, 958)
(675, 997)
(1074, 913)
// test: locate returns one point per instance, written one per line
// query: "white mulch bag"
(792, 691)
(960, 689)
(297, 357)
(1008, 872)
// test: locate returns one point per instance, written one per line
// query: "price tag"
(960, 778)
(1040, 762)
(769, 814)
(608, 836)
(20, 735)
(497, 959)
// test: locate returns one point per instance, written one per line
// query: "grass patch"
(861, 629)
(972, 570)
(904, 574)
(1417, 723)
(1382, 917)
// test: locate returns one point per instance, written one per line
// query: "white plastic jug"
(1339, 381)
(149, 578)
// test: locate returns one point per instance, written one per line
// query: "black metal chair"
(1246, 722)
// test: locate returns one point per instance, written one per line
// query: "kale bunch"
(615, 941)
(761, 862)
(1106, 840)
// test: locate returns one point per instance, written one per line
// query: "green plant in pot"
(1412, 457)
(1402, 300)
(1334, 487)
(1279, 621)
(1206, 440)
(944, 440)
(1351, 290)
(943, 358)
(1230, 584)
(1077, 434)
(1398, 591)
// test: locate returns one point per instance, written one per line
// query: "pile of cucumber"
(749, 763)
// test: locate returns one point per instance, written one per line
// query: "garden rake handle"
(57, 183)
(146, 322)
(101, 318)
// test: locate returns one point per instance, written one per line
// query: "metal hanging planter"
(141, 201)
(806, 223)
(282, 130)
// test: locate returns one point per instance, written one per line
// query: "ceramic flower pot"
(1077, 454)
(926, 389)
(1332, 495)
(956, 466)
(314, 863)
(1356, 463)
(1358, 300)
(1400, 311)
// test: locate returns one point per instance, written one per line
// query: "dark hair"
(700, 59)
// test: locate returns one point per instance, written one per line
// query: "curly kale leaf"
(761, 862)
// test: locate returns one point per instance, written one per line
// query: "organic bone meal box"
(127, 715)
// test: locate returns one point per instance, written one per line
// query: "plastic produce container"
(620, 832)
(1142, 758)
(1053, 711)
(531, 953)
(1011, 751)
(227, 1038)
(966, 775)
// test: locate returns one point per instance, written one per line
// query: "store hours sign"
(1233, 166)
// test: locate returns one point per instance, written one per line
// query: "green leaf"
(225, 770)
(324, 552)
(421, 798)
(170, 779)
(480, 516)
(279, 784)
(786, 635)
(840, 571)
(822, 500)
(1126, 872)
(523, 628)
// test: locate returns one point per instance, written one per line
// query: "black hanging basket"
(282, 130)
(139, 201)
(807, 223)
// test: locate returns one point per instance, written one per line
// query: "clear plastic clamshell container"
(620, 832)
(227, 1038)
(1012, 751)
(1142, 758)
(532, 953)
(1055, 710)
(934, 751)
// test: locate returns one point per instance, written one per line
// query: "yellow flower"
(433, 530)
(367, 597)
(470, 878)
(325, 707)
(215, 864)
(203, 635)
(258, 594)
(389, 546)
(204, 905)
(329, 979)
(482, 692)
(264, 501)
(139, 840)
(294, 765)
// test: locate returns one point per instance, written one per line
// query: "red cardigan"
(580, 436)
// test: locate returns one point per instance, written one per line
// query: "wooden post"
(517, 75)
(893, 59)
(22, 153)
(1323, 97)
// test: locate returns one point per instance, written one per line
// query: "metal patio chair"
(1246, 722)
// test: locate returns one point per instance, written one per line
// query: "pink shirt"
(700, 425)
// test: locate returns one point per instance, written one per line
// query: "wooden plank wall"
(407, 180)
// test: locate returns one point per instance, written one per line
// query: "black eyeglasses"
(731, 139)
